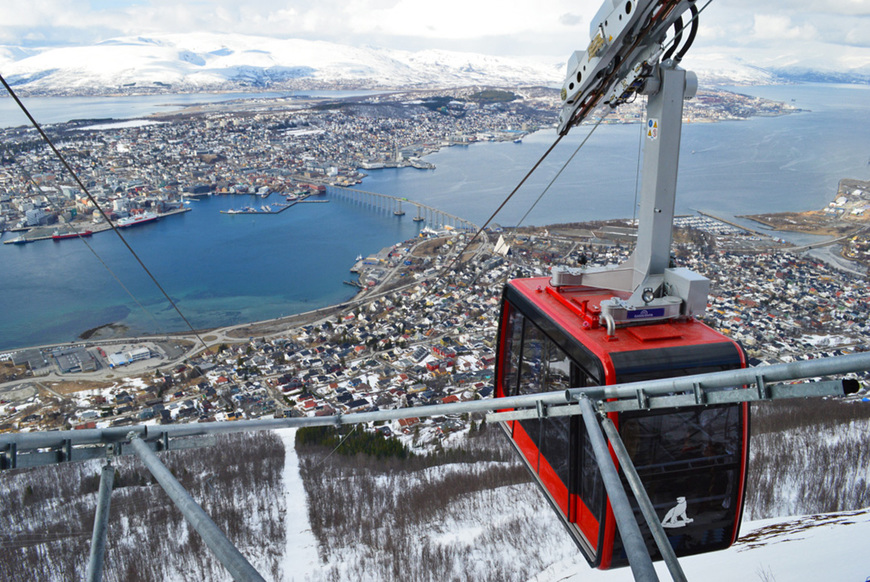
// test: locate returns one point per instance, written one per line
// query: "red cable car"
(692, 461)
(629, 322)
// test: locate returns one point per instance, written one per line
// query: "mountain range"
(211, 61)
(206, 61)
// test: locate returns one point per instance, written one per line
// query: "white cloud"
(778, 27)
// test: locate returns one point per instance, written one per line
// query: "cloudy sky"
(795, 32)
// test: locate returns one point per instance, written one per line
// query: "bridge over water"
(401, 207)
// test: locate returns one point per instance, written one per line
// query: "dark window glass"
(513, 341)
(591, 487)
(689, 462)
(545, 367)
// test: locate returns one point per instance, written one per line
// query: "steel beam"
(635, 548)
(35, 448)
(699, 397)
(643, 501)
(101, 524)
(729, 378)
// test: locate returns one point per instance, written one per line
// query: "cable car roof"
(575, 310)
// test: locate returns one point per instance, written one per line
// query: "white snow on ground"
(300, 554)
(786, 549)
(811, 548)
(131, 123)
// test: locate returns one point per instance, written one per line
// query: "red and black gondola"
(692, 461)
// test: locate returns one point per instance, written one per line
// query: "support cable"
(497, 210)
(562, 169)
(90, 248)
(678, 36)
(341, 442)
(669, 46)
(689, 41)
(552, 181)
(87, 193)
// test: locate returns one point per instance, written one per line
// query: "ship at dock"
(61, 236)
(136, 219)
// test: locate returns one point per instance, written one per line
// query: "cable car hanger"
(624, 58)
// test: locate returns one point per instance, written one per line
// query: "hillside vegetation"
(48, 515)
(464, 512)
(808, 456)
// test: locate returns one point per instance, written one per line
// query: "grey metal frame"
(94, 572)
(740, 385)
(643, 500)
(638, 558)
(730, 386)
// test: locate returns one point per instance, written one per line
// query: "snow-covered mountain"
(210, 61)
(736, 66)
(224, 61)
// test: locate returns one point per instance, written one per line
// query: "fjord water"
(765, 164)
(227, 269)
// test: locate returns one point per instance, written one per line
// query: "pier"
(399, 206)
(38, 233)
(274, 208)
(265, 209)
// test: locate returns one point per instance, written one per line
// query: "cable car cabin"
(692, 461)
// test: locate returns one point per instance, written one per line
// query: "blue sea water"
(227, 269)
(220, 269)
(771, 164)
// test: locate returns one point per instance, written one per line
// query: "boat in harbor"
(58, 236)
(136, 219)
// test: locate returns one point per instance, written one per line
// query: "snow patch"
(300, 553)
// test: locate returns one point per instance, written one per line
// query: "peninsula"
(846, 218)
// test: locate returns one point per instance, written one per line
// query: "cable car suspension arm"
(627, 40)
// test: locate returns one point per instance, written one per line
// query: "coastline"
(47, 232)
(809, 222)
(255, 322)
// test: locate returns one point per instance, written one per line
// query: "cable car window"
(513, 341)
(590, 485)
(544, 368)
(637, 366)
(662, 441)
(689, 462)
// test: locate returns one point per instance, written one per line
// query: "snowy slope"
(811, 548)
(511, 529)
